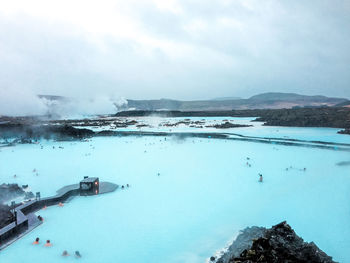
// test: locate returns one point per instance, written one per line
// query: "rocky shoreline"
(26, 129)
(10, 191)
(274, 245)
(21, 131)
(334, 117)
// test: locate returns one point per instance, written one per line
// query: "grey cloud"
(286, 46)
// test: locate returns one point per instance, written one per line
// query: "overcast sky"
(190, 49)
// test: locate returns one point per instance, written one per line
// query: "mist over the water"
(20, 102)
(25, 103)
(80, 107)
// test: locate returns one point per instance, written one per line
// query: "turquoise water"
(204, 195)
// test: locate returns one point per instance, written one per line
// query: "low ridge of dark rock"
(227, 125)
(28, 133)
(69, 131)
(345, 131)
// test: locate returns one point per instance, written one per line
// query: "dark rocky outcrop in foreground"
(275, 245)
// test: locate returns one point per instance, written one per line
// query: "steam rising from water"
(21, 103)
(77, 108)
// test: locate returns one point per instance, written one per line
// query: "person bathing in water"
(48, 243)
(36, 242)
(65, 254)
(260, 178)
(77, 254)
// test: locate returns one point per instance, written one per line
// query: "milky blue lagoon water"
(204, 195)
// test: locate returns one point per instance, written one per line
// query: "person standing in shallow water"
(36, 242)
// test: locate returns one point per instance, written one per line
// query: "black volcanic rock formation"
(345, 131)
(275, 245)
(307, 117)
(27, 132)
(9, 191)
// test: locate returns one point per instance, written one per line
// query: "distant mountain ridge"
(270, 100)
(290, 97)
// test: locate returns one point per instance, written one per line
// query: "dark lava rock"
(307, 117)
(345, 131)
(275, 245)
(106, 133)
(26, 133)
(336, 117)
(243, 241)
(142, 125)
(62, 132)
(29, 195)
(69, 131)
(228, 125)
(9, 191)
